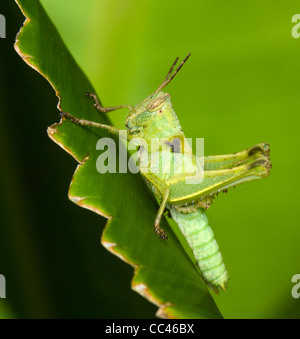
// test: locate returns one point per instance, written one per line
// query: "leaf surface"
(163, 270)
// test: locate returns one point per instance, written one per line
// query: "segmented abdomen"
(194, 226)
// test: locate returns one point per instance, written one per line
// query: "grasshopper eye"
(155, 104)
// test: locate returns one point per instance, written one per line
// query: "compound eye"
(155, 104)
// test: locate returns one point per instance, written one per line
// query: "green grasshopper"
(186, 201)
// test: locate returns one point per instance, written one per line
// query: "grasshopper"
(186, 201)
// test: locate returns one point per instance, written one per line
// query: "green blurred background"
(240, 87)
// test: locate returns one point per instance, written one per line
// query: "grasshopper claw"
(161, 233)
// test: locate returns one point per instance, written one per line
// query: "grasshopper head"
(148, 111)
(154, 106)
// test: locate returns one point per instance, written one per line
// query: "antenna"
(169, 77)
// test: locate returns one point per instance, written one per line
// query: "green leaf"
(163, 270)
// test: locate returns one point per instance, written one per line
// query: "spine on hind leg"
(194, 226)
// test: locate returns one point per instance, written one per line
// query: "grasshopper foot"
(102, 109)
(94, 98)
(160, 232)
(67, 116)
